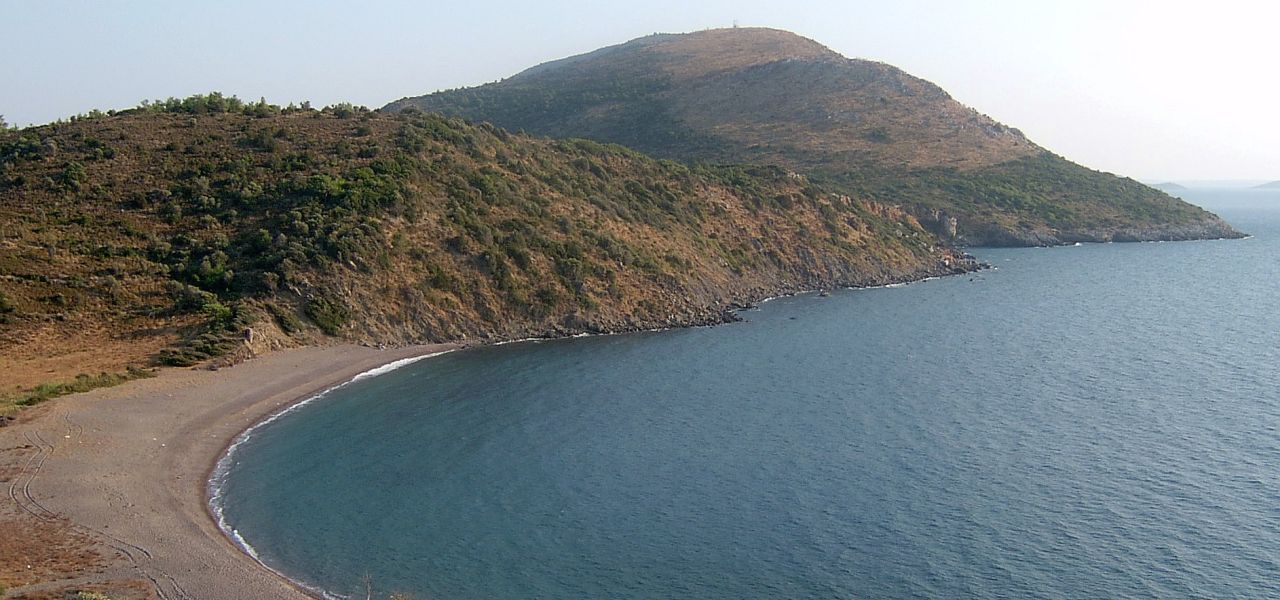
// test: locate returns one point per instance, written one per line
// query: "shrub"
(328, 315)
(188, 298)
(345, 110)
(73, 175)
(84, 595)
(218, 335)
(82, 383)
(878, 135)
(199, 104)
(285, 318)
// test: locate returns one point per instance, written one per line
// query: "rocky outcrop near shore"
(698, 305)
(1209, 229)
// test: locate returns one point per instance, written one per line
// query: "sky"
(1153, 90)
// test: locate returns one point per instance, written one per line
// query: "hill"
(763, 96)
(206, 227)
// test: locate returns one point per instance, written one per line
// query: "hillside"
(763, 96)
(165, 234)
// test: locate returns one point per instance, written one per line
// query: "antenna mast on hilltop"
(735, 23)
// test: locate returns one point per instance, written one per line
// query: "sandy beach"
(107, 489)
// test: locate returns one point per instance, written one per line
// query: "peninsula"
(870, 130)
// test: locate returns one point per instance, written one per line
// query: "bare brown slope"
(749, 95)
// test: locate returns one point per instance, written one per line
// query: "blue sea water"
(1081, 422)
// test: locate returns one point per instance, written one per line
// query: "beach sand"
(110, 487)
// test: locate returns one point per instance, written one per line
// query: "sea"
(1098, 420)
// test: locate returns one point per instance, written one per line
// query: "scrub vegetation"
(189, 229)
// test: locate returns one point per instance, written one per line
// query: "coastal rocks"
(706, 300)
(577, 322)
(995, 236)
(938, 222)
(1206, 230)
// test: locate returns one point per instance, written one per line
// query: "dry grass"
(716, 50)
(53, 389)
(107, 590)
(747, 96)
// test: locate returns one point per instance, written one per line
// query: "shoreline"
(219, 470)
(127, 469)
(125, 484)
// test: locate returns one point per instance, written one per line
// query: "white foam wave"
(522, 340)
(244, 544)
(391, 366)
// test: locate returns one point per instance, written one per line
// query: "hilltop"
(198, 228)
(756, 96)
(764, 96)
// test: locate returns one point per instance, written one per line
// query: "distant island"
(1170, 186)
(1274, 185)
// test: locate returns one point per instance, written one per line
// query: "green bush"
(199, 104)
(345, 110)
(220, 333)
(82, 383)
(285, 318)
(328, 315)
(85, 595)
(73, 175)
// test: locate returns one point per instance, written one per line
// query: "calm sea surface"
(1082, 422)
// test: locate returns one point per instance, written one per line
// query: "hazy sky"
(1153, 90)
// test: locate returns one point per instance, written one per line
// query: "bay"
(1079, 422)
